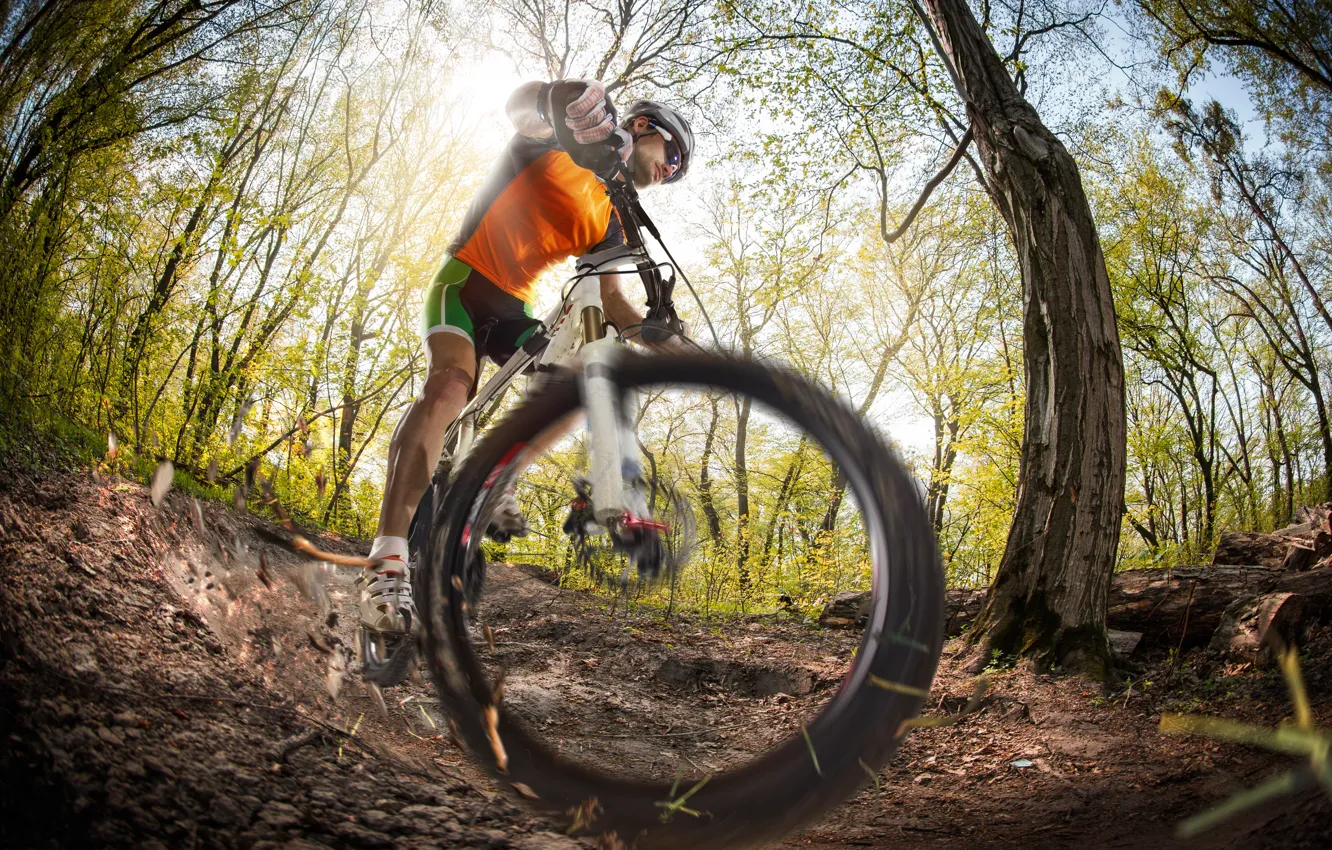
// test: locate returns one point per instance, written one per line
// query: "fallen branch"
(304, 546)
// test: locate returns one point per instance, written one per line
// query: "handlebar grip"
(658, 329)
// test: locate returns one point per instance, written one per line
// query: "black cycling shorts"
(463, 301)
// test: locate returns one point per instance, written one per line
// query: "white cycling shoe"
(386, 597)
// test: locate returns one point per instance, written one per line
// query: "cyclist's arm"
(522, 111)
(623, 315)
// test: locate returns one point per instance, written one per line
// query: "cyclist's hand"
(591, 117)
(675, 345)
(583, 118)
(588, 116)
(684, 344)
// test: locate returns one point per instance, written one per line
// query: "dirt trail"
(157, 690)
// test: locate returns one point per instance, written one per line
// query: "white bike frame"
(576, 329)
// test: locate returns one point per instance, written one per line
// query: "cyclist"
(540, 205)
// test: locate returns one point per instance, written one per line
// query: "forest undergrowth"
(1074, 260)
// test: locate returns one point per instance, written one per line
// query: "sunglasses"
(672, 148)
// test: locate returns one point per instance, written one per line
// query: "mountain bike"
(576, 449)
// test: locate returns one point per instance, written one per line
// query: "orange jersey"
(536, 208)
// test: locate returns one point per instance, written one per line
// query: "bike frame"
(574, 337)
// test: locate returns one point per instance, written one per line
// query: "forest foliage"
(218, 218)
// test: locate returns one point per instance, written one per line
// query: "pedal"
(387, 658)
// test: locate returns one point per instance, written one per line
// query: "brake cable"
(624, 197)
(651, 228)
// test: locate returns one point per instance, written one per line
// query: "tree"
(1050, 595)
(764, 247)
(631, 43)
(81, 79)
(1265, 192)
(949, 360)
(1296, 34)
(1281, 49)
(1159, 270)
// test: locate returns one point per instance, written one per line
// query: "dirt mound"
(741, 679)
(158, 689)
(157, 692)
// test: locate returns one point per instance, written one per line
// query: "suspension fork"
(613, 443)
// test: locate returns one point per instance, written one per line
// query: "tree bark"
(1251, 548)
(1048, 601)
(1254, 628)
(742, 499)
(1182, 607)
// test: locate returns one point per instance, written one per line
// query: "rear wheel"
(725, 802)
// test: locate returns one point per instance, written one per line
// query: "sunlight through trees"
(217, 220)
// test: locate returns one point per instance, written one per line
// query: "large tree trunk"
(1049, 597)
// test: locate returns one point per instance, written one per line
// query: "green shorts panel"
(463, 301)
(444, 312)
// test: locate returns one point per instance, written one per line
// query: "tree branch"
(892, 236)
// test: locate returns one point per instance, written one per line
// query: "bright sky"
(488, 82)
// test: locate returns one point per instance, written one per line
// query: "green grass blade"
(1283, 740)
(897, 687)
(1299, 697)
(1279, 786)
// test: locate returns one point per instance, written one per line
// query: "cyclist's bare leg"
(419, 437)
(388, 612)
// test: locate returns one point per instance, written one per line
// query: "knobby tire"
(858, 730)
